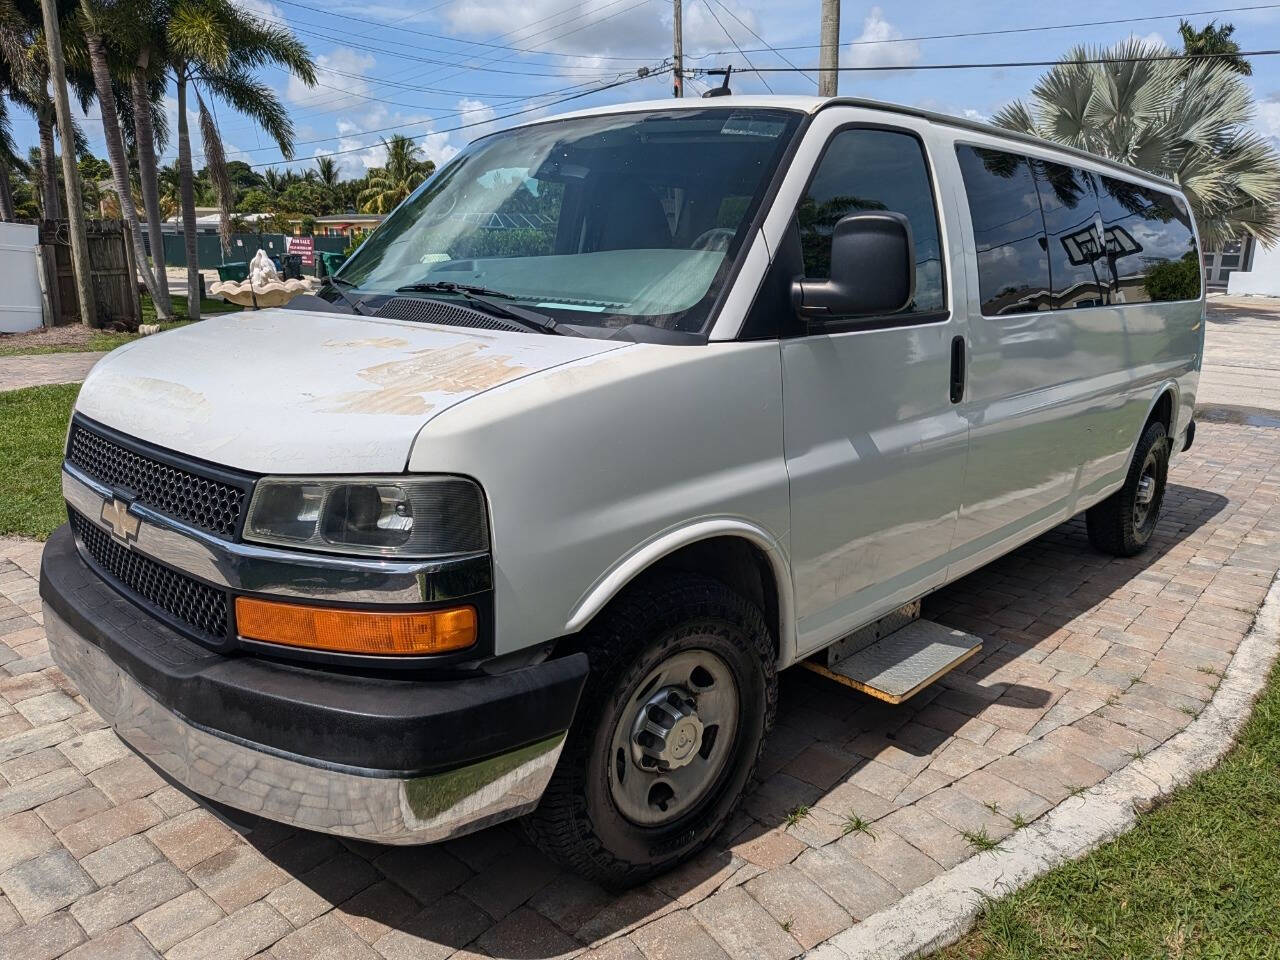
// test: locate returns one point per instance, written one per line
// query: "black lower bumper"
(381, 727)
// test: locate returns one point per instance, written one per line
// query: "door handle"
(957, 369)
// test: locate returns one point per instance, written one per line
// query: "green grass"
(105, 340)
(795, 815)
(855, 824)
(1199, 876)
(35, 426)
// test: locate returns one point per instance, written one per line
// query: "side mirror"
(873, 270)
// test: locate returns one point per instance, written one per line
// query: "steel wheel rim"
(1144, 497)
(672, 740)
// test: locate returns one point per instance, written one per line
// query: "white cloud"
(874, 47)
(1152, 39)
(342, 68)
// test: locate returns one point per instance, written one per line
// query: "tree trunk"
(115, 153)
(6, 194)
(50, 204)
(144, 137)
(188, 191)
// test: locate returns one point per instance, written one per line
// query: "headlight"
(379, 516)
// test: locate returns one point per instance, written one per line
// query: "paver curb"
(941, 911)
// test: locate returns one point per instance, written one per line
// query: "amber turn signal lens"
(356, 631)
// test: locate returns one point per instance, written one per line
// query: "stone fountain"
(263, 287)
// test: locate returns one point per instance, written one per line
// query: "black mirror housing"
(873, 270)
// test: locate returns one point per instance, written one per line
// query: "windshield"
(598, 222)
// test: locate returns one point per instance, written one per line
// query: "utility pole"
(70, 175)
(677, 72)
(829, 58)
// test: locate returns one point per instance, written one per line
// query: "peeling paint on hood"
(290, 391)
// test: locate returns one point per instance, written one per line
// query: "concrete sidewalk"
(34, 370)
(1242, 354)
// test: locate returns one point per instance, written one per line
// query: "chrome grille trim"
(207, 498)
(261, 569)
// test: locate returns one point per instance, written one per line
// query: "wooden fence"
(111, 269)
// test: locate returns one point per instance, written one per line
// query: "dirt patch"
(73, 334)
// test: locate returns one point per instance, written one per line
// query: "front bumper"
(387, 760)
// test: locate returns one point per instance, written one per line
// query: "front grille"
(209, 503)
(191, 603)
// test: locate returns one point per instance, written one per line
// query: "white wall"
(20, 301)
(1263, 279)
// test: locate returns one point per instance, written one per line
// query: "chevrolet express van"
(616, 416)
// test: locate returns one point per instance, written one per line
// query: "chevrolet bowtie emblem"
(123, 524)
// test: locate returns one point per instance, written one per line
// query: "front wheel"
(1123, 523)
(668, 733)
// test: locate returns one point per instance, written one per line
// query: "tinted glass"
(1008, 231)
(1077, 264)
(1151, 249)
(873, 170)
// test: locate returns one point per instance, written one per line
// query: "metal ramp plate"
(899, 665)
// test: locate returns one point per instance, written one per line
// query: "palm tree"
(398, 177)
(169, 183)
(9, 160)
(97, 22)
(214, 47)
(1185, 120)
(327, 171)
(26, 81)
(273, 181)
(1214, 41)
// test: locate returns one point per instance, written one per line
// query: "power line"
(711, 10)
(481, 64)
(1013, 63)
(1017, 30)
(480, 123)
(447, 38)
(773, 50)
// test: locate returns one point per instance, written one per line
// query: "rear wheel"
(668, 733)
(1123, 523)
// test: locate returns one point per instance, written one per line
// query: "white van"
(616, 416)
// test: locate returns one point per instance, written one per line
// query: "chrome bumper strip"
(260, 569)
(379, 809)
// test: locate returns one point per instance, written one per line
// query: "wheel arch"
(1163, 407)
(735, 551)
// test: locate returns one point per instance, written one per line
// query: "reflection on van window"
(600, 222)
(1077, 263)
(1008, 230)
(1151, 249)
(873, 170)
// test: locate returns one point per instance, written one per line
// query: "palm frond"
(255, 100)
(215, 158)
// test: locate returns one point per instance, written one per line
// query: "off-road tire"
(577, 822)
(1111, 523)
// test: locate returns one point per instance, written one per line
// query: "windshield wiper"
(529, 319)
(336, 285)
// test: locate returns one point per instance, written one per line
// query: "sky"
(446, 72)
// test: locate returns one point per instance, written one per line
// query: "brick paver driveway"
(1088, 660)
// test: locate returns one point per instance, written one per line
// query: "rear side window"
(873, 170)
(1077, 264)
(1008, 231)
(1151, 248)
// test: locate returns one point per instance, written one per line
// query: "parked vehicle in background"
(615, 417)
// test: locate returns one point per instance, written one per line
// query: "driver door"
(875, 447)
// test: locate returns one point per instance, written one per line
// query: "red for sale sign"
(305, 246)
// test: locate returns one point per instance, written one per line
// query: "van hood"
(292, 391)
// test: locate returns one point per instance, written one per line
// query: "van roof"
(812, 105)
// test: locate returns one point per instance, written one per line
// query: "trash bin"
(235, 271)
(330, 262)
(291, 266)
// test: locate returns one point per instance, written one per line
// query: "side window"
(1077, 264)
(1151, 249)
(1008, 230)
(873, 170)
